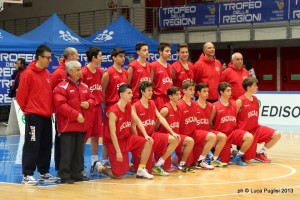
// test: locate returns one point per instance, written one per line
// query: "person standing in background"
(20, 67)
(92, 75)
(235, 74)
(161, 75)
(182, 69)
(74, 104)
(35, 99)
(208, 70)
(139, 70)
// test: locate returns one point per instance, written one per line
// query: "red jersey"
(34, 94)
(203, 116)
(140, 73)
(93, 80)
(188, 119)
(116, 79)
(146, 115)
(248, 116)
(173, 119)
(208, 71)
(235, 77)
(123, 123)
(182, 74)
(225, 118)
(162, 78)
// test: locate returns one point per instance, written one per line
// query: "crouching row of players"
(191, 128)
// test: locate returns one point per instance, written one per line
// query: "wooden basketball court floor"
(277, 180)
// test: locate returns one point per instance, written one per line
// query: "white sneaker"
(202, 164)
(47, 177)
(143, 173)
(97, 168)
(29, 180)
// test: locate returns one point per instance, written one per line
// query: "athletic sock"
(142, 166)
(94, 158)
(215, 157)
(262, 150)
(201, 157)
(160, 162)
(240, 153)
(182, 163)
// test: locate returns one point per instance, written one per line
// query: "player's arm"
(133, 124)
(212, 117)
(112, 131)
(164, 122)
(130, 74)
(164, 113)
(238, 105)
(152, 74)
(173, 72)
(140, 125)
(105, 81)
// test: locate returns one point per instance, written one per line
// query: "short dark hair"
(123, 88)
(182, 45)
(186, 84)
(143, 85)
(248, 82)
(41, 50)
(172, 90)
(22, 61)
(200, 86)
(92, 52)
(139, 45)
(222, 87)
(163, 45)
(116, 51)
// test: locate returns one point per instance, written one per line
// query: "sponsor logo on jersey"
(125, 125)
(228, 118)
(190, 120)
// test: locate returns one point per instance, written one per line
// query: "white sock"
(94, 158)
(160, 162)
(182, 163)
(201, 157)
(262, 150)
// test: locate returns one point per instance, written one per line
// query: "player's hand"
(85, 105)
(149, 139)
(80, 118)
(119, 156)
(176, 136)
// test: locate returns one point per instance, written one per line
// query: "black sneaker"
(67, 181)
(81, 177)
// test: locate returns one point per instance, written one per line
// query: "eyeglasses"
(48, 57)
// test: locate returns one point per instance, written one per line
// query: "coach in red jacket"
(73, 104)
(235, 74)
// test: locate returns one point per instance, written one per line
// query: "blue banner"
(228, 13)
(295, 10)
(189, 15)
(253, 12)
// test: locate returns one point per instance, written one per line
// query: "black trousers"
(56, 148)
(37, 144)
(71, 155)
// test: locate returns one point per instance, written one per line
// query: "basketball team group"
(205, 114)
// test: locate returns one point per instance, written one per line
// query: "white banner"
(279, 109)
